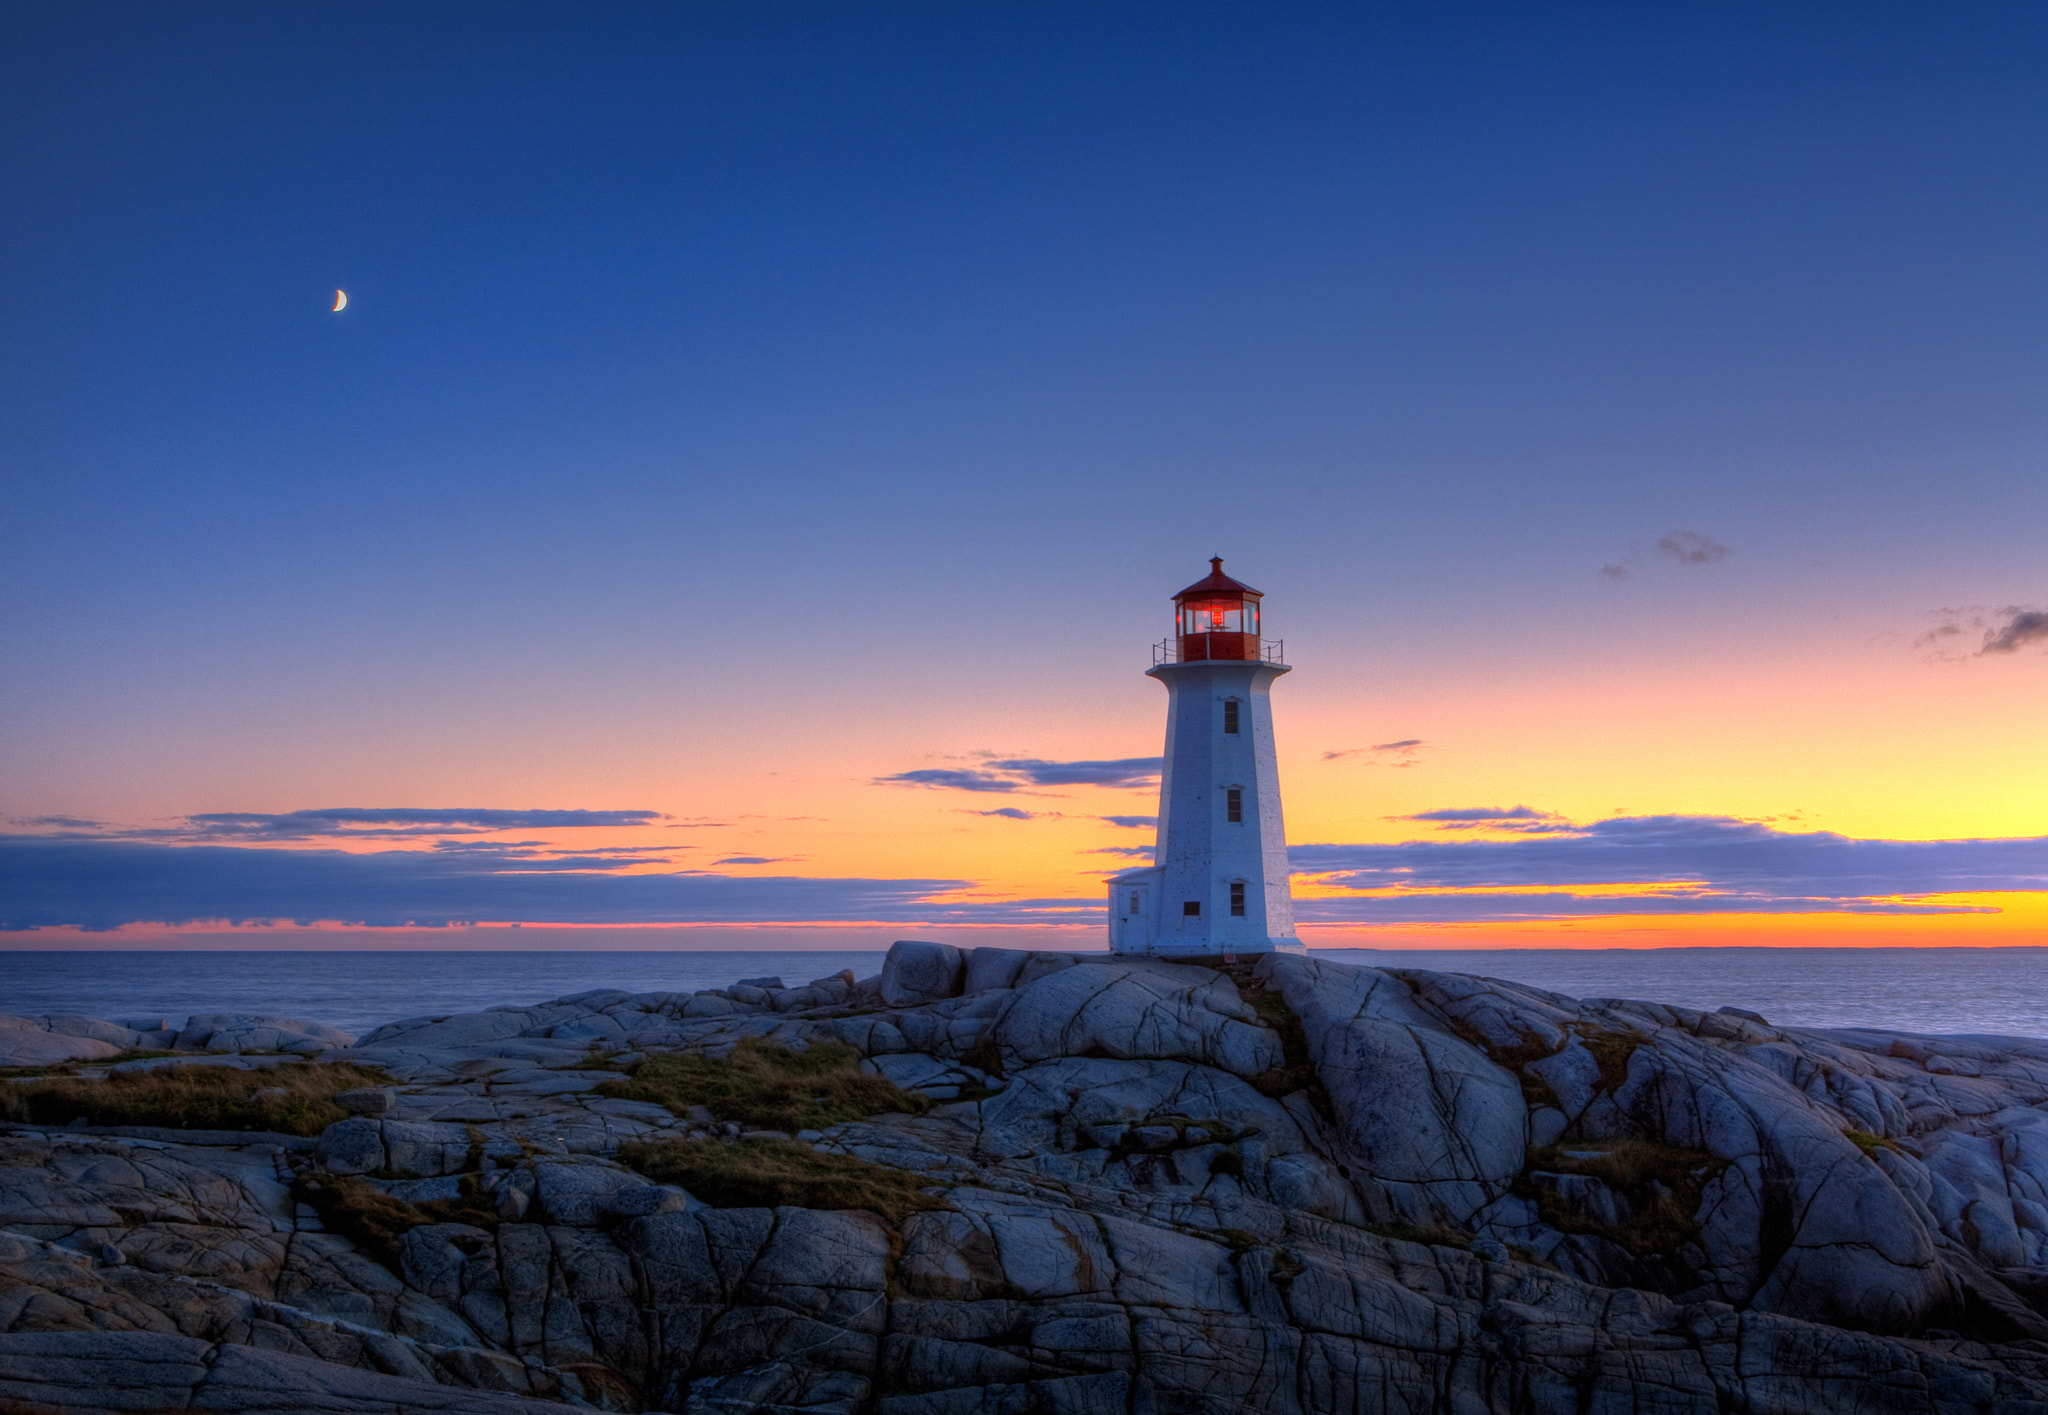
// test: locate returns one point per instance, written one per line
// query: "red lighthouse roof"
(1217, 586)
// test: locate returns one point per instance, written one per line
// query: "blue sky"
(739, 406)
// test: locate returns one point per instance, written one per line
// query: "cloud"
(1390, 754)
(1007, 813)
(1525, 907)
(2021, 628)
(1525, 819)
(68, 882)
(1694, 864)
(62, 822)
(388, 821)
(521, 848)
(1692, 548)
(1612, 571)
(951, 778)
(1143, 852)
(2003, 631)
(1133, 822)
(598, 861)
(1018, 773)
(755, 860)
(503, 847)
(1124, 771)
(1087, 910)
(527, 855)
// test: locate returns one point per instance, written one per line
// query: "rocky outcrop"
(1296, 1187)
(240, 1032)
(1135, 1009)
(59, 1037)
(1438, 1129)
(139, 1372)
(50, 1041)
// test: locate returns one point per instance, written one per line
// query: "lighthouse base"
(1197, 949)
(1134, 925)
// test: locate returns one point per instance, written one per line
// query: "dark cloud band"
(1706, 864)
(52, 882)
(355, 820)
(1687, 864)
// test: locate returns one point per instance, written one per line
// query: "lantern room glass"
(1219, 616)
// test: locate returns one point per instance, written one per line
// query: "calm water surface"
(1991, 990)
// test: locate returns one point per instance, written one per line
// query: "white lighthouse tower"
(1219, 884)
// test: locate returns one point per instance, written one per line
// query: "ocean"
(2001, 991)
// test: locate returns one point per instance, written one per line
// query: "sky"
(762, 440)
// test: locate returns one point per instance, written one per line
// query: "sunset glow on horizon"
(1634, 422)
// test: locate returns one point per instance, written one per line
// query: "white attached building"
(1219, 885)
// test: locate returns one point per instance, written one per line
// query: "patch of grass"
(762, 1173)
(1296, 1072)
(1870, 1144)
(984, 1056)
(1535, 1090)
(770, 1087)
(377, 1222)
(1530, 1048)
(1434, 1235)
(1238, 1240)
(1611, 1051)
(299, 1100)
(71, 1068)
(1662, 1183)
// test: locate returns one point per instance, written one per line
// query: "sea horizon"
(1948, 990)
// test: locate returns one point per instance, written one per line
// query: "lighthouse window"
(1233, 805)
(1230, 714)
(1237, 899)
(1192, 909)
(1135, 897)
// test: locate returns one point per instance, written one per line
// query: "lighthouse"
(1219, 881)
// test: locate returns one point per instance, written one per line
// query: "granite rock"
(1289, 1187)
(23, 1043)
(234, 1031)
(1133, 1009)
(915, 972)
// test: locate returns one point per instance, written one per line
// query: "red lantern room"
(1218, 619)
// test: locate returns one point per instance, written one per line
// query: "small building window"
(1135, 897)
(1233, 805)
(1230, 715)
(1237, 899)
(1192, 909)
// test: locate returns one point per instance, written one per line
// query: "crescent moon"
(340, 301)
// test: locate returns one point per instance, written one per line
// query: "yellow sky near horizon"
(1868, 740)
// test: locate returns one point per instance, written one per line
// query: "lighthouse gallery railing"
(1168, 651)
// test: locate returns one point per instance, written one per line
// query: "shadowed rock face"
(1296, 1187)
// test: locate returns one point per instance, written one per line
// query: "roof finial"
(1215, 564)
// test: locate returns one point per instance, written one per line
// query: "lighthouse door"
(1132, 926)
